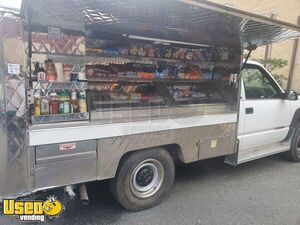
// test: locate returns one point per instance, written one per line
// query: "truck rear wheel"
(294, 153)
(143, 179)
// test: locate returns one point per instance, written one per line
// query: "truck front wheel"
(143, 179)
(294, 153)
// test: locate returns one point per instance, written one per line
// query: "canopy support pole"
(293, 61)
(250, 48)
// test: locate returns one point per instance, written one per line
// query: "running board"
(265, 151)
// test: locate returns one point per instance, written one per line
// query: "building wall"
(285, 10)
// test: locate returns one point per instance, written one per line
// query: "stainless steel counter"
(142, 114)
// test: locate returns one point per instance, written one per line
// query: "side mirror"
(290, 95)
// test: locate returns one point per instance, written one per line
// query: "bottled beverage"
(41, 75)
(37, 104)
(64, 103)
(54, 103)
(67, 69)
(59, 71)
(82, 103)
(45, 108)
(50, 70)
(74, 77)
(74, 103)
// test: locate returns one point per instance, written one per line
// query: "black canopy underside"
(194, 21)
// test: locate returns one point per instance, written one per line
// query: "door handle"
(249, 110)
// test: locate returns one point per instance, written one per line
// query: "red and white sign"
(68, 146)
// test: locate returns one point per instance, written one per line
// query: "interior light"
(164, 41)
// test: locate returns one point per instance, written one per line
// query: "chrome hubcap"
(147, 178)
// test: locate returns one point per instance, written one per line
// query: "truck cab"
(266, 114)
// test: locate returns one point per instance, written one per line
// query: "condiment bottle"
(54, 103)
(50, 70)
(45, 108)
(37, 104)
(59, 72)
(81, 76)
(82, 103)
(41, 75)
(67, 72)
(36, 70)
(74, 103)
(74, 77)
(90, 71)
(64, 103)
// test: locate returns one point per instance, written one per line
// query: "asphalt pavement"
(262, 192)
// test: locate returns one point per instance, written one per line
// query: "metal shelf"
(90, 59)
(143, 80)
(47, 85)
(63, 58)
(59, 118)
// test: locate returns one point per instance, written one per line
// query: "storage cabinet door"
(64, 164)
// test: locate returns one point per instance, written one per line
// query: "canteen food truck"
(120, 90)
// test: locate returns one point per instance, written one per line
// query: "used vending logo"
(33, 211)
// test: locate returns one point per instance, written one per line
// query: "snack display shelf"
(144, 80)
(94, 60)
(127, 101)
(44, 119)
(63, 58)
(48, 85)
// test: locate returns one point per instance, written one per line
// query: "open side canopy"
(194, 21)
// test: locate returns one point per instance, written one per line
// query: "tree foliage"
(273, 65)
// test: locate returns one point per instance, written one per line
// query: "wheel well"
(173, 149)
(295, 122)
(296, 119)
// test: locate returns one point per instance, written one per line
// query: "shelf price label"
(54, 33)
(13, 69)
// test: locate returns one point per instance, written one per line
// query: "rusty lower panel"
(195, 144)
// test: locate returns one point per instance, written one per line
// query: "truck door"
(264, 116)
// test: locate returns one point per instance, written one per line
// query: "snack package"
(124, 51)
(150, 52)
(168, 53)
(189, 55)
(141, 51)
(197, 55)
(207, 54)
(175, 54)
(134, 50)
(158, 53)
(181, 53)
(195, 73)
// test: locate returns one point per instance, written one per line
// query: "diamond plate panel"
(67, 45)
(13, 154)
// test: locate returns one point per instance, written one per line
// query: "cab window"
(258, 85)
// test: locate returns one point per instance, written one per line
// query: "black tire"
(294, 153)
(134, 169)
